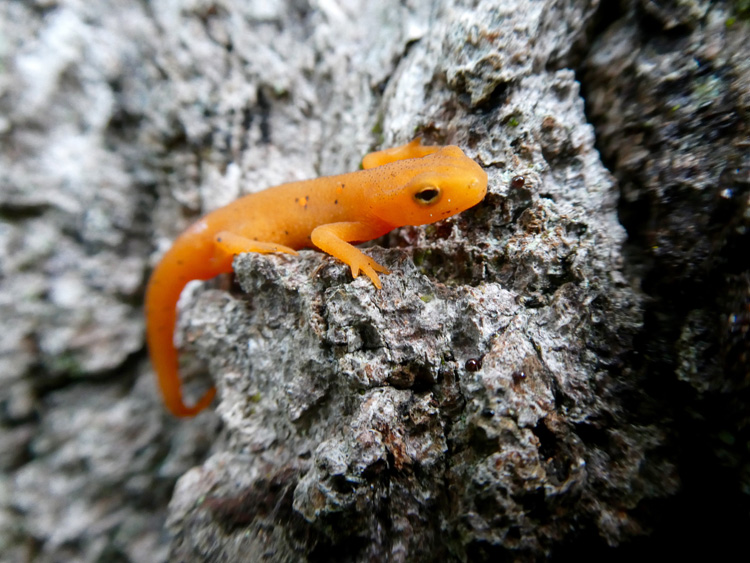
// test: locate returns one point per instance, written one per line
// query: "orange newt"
(407, 185)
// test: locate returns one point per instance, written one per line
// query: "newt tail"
(189, 258)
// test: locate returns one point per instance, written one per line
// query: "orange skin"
(407, 185)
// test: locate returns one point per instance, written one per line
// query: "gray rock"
(354, 409)
(668, 87)
(89, 459)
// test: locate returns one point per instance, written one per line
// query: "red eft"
(411, 184)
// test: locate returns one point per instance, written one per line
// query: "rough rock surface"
(668, 88)
(510, 393)
(356, 426)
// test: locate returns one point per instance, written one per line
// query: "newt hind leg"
(230, 244)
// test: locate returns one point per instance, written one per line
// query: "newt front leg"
(333, 239)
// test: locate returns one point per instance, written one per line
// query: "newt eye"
(427, 195)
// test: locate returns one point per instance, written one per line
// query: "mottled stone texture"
(88, 458)
(525, 385)
(354, 428)
(668, 88)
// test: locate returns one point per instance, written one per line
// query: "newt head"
(432, 188)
